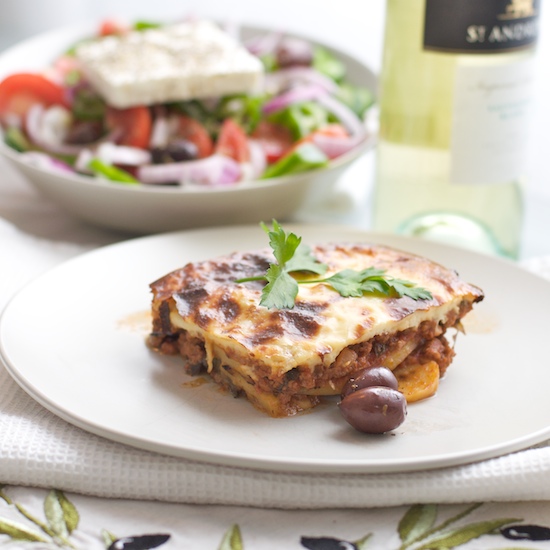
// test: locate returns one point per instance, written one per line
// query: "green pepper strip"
(305, 157)
(16, 139)
(111, 172)
(301, 118)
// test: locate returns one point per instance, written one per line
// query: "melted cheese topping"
(210, 305)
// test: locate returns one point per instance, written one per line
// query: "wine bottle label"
(480, 25)
(490, 122)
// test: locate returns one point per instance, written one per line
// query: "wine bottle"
(455, 89)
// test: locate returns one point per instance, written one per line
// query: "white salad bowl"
(142, 209)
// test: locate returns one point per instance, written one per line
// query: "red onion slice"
(263, 44)
(279, 80)
(258, 160)
(46, 162)
(110, 153)
(45, 140)
(353, 124)
(294, 95)
(33, 127)
(83, 160)
(160, 133)
(334, 147)
(211, 171)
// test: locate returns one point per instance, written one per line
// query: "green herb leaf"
(304, 260)
(281, 289)
(406, 288)
(346, 283)
(284, 246)
(351, 283)
(354, 283)
(293, 257)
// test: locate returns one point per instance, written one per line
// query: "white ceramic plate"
(74, 339)
(150, 208)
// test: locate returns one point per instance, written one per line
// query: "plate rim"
(235, 460)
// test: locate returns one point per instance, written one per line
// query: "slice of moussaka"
(283, 360)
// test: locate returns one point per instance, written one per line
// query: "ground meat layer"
(425, 343)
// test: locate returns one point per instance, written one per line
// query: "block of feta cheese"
(189, 60)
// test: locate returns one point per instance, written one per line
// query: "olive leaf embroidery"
(61, 520)
(232, 539)
(418, 530)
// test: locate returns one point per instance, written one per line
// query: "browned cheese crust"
(283, 360)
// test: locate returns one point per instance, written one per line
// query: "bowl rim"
(196, 190)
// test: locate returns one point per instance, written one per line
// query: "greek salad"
(304, 115)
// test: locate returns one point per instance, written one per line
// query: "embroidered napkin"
(39, 449)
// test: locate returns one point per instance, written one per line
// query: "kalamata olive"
(176, 151)
(293, 52)
(375, 409)
(372, 376)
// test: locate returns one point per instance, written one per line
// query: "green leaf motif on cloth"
(18, 531)
(462, 535)
(62, 516)
(418, 529)
(417, 522)
(232, 539)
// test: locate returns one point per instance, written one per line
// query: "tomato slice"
(112, 26)
(332, 130)
(192, 130)
(232, 141)
(19, 92)
(135, 124)
(275, 139)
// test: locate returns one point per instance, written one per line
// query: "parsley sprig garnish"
(295, 259)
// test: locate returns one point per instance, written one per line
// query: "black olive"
(372, 376)
(375, 409)
(176, 151)
(293, 52)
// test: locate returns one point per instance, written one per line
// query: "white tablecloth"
(127, 492)
(40, 452)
